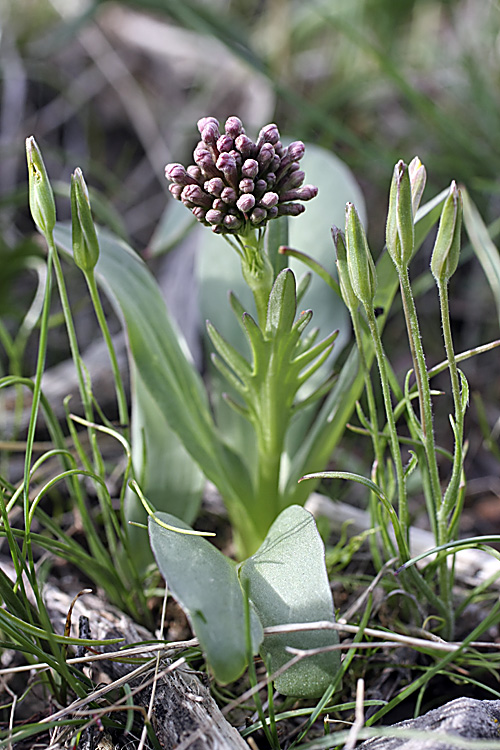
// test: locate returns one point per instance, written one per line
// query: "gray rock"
(465, 717)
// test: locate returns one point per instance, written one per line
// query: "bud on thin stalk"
(444, 260)
(84, 237)
(346, 289)
(359, 258)
(400, 234)
(41, 197)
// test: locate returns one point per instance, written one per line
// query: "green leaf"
(282, 305)
(205, 583)
(287, 583)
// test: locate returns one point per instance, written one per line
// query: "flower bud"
(291, 209)
(225, 143)
(268, 134)
(234, 127)
(201, 124)
(232, 222)
(84, 237)
(305, 193)
(41, 197)
(296, 150)
(196, 196)
(446, 250)
(229, 196)
(246, 185)
(213, 216)
(250, 168)
(418, 177)
(258, 215)
(265, 155)
(346, 289)
(245, 203)
(177, 173)
(400, 233)
(226, 163)
(215, 186)
(269, 200)
(359, 258)
(244, 145)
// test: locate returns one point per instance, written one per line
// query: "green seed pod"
(359, 258)
(444, 260)
(418, 178)
(41, 197)
(400, 233)
(85, 242)
(346, 289)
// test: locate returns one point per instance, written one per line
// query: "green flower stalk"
(41, 196)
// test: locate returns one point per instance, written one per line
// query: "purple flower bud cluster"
(236, 184)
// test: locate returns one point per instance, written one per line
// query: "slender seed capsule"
(84, 236)
(359, 258)
(41, 197)
(444, 259)
(400, 232)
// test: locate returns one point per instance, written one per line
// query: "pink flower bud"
(296, 151)
(215, 186)
(245, 146)
(229, 196)
(201, 124)
(232, 222)
(269, 200)
(250, 168)
(234, 127)
(291, 209)
(195, 195)
(214, 217)
(246, 185)
(225, 143)
(245, 203)
(268, 134)
(258, 215)
(176, 191)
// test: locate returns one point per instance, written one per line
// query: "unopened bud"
(446, 250)
(346, 289)
(250, 168)
(41, 197)
(296, 150)
(258, 215)
(291, 209)
(225, 143)
(268, 134)
(245, 203)
(84, 237)
(234, 127)
(418, 178)
(400, 233)
(213, 216)
(359, 258)
(269, 200)
(201, 124)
